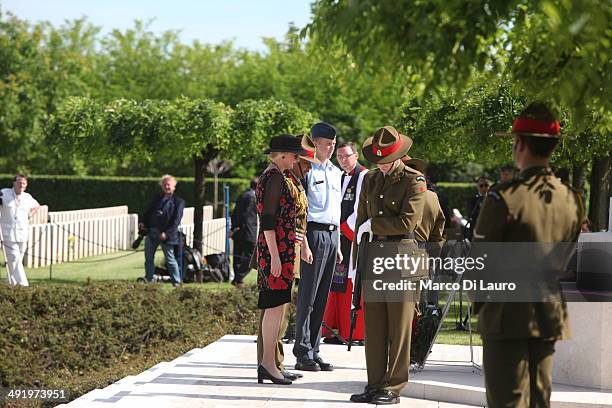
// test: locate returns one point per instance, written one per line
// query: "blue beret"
(323, 129)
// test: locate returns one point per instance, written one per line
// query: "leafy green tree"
(552, 49)
(154, 130)
(41, 65)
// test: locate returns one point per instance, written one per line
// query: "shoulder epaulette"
(409, 169)
(504, 185)
(494, 194)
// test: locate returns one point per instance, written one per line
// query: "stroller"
(192, 265)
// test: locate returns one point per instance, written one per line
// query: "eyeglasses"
(483, 185)
(344, 156)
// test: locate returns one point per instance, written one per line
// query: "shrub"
(84, 337)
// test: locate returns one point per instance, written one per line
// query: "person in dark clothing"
(475, 202)
(161, 221)
(244, 233)
(432, 185)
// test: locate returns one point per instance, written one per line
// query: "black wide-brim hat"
(285, 143)
(386, 146)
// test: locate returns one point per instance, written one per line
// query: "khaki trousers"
(518, 373)
(388, 328)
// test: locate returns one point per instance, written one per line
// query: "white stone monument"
(586, 359)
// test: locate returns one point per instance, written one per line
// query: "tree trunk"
(601, 188)
(200, 161)
(216, 205)
(198, 193)
(563, 174)
(579, 178)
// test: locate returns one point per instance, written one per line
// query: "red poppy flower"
(282, 247)
(276, 283)
(287, 270)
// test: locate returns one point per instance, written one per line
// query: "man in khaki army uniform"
(430, 232)
(519, 338)
(390, 208)
(431, 228)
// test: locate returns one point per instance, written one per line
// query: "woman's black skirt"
(272, 298)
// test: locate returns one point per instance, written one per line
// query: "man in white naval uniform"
(16, 208)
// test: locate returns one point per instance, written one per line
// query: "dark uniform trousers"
(528, 382)
(313, 290)
(387, 347)
(243, 251)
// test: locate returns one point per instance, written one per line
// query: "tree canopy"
(43, 65)
(555, 50)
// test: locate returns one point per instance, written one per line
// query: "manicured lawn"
(125, 265)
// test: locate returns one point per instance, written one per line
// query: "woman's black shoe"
(262, 374)
(291, 376)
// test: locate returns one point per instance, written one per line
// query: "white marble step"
(223, 374)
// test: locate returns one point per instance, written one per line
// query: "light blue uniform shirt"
(324, 183)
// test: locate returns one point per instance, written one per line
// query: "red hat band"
(526, 125)
(385, 151)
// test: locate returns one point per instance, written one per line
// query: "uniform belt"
(317, 226)
(393, 237)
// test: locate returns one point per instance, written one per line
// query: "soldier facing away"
(519, 338)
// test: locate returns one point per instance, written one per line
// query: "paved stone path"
(223, 374)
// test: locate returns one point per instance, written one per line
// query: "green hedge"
(458, 195)
(84, 337)
(74, 193)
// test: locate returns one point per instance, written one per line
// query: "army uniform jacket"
(431, 227)
(393, 202)
(536, 207)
